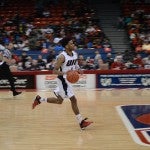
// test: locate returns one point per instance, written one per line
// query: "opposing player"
(66, 60)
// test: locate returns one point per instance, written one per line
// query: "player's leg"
(82, 122)
(55, 100)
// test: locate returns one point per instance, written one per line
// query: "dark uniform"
(5, 72)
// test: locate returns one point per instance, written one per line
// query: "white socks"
(79, 118)
(43, 100)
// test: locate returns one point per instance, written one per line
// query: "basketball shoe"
(36, 101)
(15, 93)
(85, 123)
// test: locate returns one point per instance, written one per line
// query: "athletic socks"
(43, 99)
(79, 118)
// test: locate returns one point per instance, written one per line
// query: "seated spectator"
(20, 45)
(90, 30)
(138, 61)
(89, 44)
(34, 65)
(23, 58)
(13, 67)
(80, 59)
(97, 44)
(130, 65)
(106, 45)
(146, 46)
(51, 55)
(146, 62)
(41, 64)
(58, 48)
(101, 65)
(118, 64)
(50, 65)
(86, 64)
(97, 57)
(109, 59)
(20, 66)
(78, 37)
(16, 57)
(28, 63)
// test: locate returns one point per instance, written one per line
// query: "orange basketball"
(72, 76)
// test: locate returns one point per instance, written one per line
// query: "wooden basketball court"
(54, 127)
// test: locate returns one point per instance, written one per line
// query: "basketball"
(72, 76)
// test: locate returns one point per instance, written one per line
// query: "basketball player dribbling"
(66, 60)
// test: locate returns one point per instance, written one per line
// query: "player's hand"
(80, 71)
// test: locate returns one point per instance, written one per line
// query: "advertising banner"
(21, 81)
(45, 82)
(123, 81)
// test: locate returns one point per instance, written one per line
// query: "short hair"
(65, 41)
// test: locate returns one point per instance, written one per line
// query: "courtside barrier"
(43, 80)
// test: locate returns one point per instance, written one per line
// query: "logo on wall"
(145, 81)
(105, 81)
(136, 118)
(24, 81)
(123, 80)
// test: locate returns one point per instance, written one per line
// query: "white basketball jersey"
(71, 62)
(64, 88)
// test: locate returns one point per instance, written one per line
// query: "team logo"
(105, 81)
(145, 81)
(137, 120)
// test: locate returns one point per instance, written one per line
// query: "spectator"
(41, 64)
(28, 63)
(138, 61)
(146, 62)
(23, 59)
(50, 65)
(106, 45)
(33, 65)
(97, 57)
(80, 60)
(13, 66)
(58, 48)
(109, 59)
(51, 55)
(118, 64)
(101, 65)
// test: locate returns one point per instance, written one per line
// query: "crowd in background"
(35, 26)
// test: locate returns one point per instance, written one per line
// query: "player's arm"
(80, 71)
(60, 60)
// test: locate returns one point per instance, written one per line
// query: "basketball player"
(66, 60)
(5, 61)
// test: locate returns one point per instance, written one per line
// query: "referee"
(5, 61)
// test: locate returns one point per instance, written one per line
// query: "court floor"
(54, 127)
